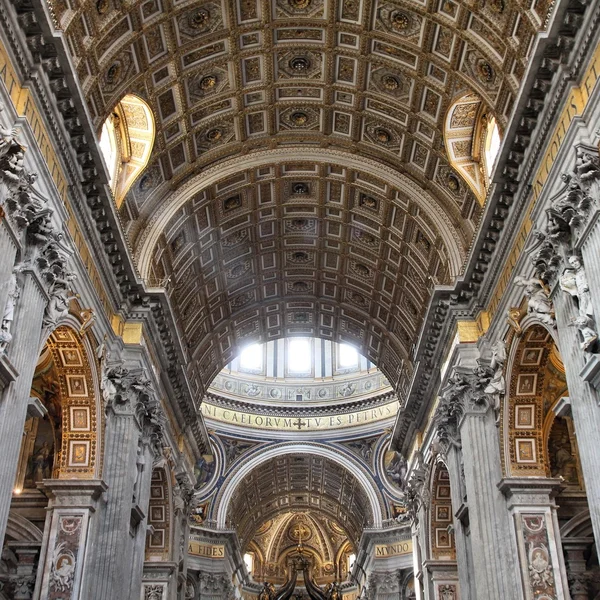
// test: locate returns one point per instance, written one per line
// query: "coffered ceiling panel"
(311, 246)
(299, 483)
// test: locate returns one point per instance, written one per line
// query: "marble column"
(23, 353)
(585, 403)
(492, 538)
(462, 535)
(531, 503)
(465, 419)
(116, 561)
(66, 536)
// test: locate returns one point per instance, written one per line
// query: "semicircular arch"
(225, 495)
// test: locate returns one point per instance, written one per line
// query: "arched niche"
(441, 542)
(537, 442)
(64, 443)
(126, 141)
(158, 542)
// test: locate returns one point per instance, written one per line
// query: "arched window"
(472, 137)
(491, 145)
(126, 141)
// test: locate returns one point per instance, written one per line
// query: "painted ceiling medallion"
(299, 118)
(208, 82)
(300, 64)
(199, 18)
(400, 21)
(299, 4)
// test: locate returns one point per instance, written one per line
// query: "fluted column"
(110, 564)
(132, 436)
(23, 353)
(462, 536)
(493, 548)
(585, 404)
(465, 419)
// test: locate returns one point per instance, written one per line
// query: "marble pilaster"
(131, 433)
(466, 421)
(531, 504)
(585, 406)
(66, 536)
(23, 354)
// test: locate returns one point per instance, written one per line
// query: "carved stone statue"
(538, 302)
(496, 388)
(8, 138)
(574, 282)
(9, 312)
(397, 469)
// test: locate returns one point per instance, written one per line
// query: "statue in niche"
(9, 312)
(496, 387)
(140, 463)
(562, 461)
(538, 302)
(396, 469)
(574, 282)
(40, 461)
(204, 469)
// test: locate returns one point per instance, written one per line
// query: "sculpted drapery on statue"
(45, 247)
(554, 246)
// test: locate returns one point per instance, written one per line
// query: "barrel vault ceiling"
(299, 182)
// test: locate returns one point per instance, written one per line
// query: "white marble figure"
(538, 301)
(8, 137)
(9, 312)
(574, 282)
(496, 388)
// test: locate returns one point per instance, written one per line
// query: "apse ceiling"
(300, 483)
(299, 182)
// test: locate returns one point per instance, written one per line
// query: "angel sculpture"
(538, 301)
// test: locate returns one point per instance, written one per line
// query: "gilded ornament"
(400, 21)
(208, 82)
(485, 71)
(383, 136)
(300, 188)
(102, 6)
(300, 64)
(453, 183)
(390, 83)
(214, 135)
(497, 6)
(113, 73)
(299, 118)
(299, 4)
(199, 18)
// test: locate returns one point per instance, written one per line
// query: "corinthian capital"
(466, 391)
